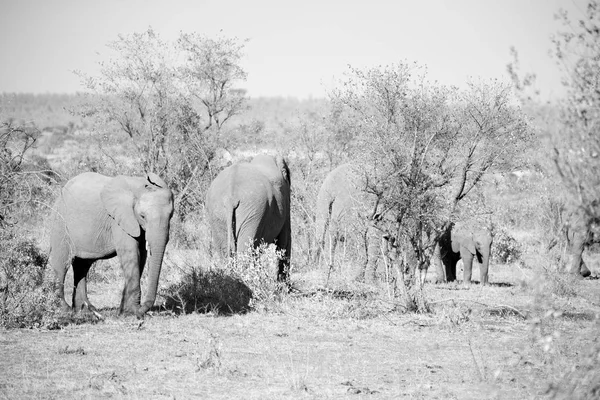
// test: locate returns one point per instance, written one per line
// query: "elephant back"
(273, 168)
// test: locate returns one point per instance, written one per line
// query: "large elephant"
(345, 209)
(456, 243)
(581, 231)
(249, 203)
(97, 217)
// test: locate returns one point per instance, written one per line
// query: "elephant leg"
(439, 268)
(467, 258)
(484, 262)
(81, 267)
(449, 261)
(131, 256)
(59, 259)
(575, 262)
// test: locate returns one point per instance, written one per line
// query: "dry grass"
(349, 340)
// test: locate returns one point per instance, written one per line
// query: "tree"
(577, 144)
(425, 149)
(172, 100)
(17, 186)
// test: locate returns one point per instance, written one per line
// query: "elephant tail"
(231, 231)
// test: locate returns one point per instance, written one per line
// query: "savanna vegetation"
(490, 155)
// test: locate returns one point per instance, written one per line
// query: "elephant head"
(143, 209)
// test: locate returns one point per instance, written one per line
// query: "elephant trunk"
(157, 241)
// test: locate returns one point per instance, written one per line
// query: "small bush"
(257, 268)
(26, 289)
(208, 291)
(505, 248)
(244, 282)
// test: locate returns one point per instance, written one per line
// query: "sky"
(295, 48)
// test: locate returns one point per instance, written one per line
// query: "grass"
(347, 340)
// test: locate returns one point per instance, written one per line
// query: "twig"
(476, 363)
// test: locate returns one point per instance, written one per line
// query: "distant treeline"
(49, 111)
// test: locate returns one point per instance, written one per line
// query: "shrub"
(505, 248)
(257, 268)
(248, 281)
(26, 290)
(208, 291)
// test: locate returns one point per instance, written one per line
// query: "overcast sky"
(296, 48)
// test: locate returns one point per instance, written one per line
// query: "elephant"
(97, 217)
(456, 243)
(581, 231)
(249, 203)
(345, 207)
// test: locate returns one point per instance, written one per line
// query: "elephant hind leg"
(81, 267)
(60, 259)
(467, 258)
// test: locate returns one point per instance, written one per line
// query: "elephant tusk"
(148, 248)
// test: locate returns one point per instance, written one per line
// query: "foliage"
(505, 249)
(19, 183)
(247, 281)
(172, 100)
(257, 268)
(577, 143)
(24, 184)
(26, 291)
(213, 291)
(424, 148)
(313, 151)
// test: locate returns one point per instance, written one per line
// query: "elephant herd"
(98, 217)
(345, 205)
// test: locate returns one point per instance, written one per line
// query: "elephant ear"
(118, 200)
(283, 167)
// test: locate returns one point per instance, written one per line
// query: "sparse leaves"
(424, 148)
(171, 99)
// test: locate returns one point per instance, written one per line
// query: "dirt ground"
(478, 343)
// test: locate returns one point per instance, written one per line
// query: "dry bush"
(505, 248)
(26, 288)
(213, 291)
(245, 282)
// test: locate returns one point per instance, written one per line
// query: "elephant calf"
(97, 217)
(455, 244)
(249, 203)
